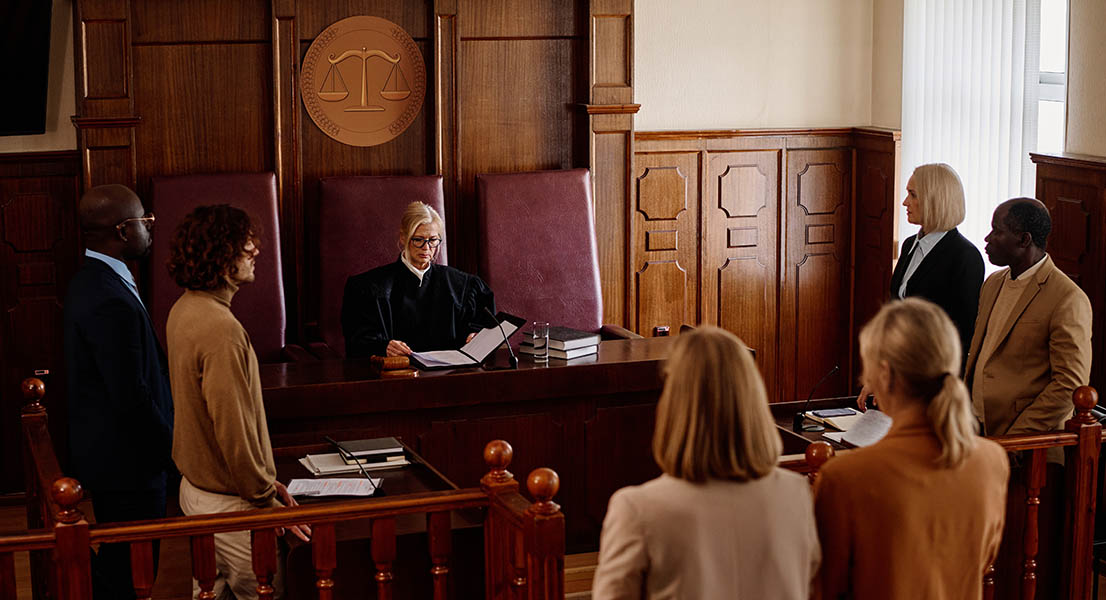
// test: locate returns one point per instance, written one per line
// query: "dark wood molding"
(644, 136)
(102, 122)
(1067, 159)
(40, 164)
(610, 109)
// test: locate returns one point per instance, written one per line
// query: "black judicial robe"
(388, 303)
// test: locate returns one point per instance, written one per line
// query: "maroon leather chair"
(537, 248)
(259, 306)
(359, 220)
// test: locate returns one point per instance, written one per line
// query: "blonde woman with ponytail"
(920, 513)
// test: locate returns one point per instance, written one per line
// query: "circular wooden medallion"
(363, 81)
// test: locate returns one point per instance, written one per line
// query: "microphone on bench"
(797, 426)
(513, 360)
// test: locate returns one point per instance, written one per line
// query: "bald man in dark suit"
(120, 407)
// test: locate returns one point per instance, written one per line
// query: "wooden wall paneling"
(38, 255)
(611, 164)
(286, 157)
(520, 19)
(665, 241)
(447, 155)
(740, 265)
(874, 223)
(517, 99)
(815, 288)
(1073, 187)
(611, 95)
(157, 21)
(617, 436)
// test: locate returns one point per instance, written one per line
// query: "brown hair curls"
(206, 246)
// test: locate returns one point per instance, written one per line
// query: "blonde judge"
(920, 513)
(723, 521)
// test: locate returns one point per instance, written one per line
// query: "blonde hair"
(416, 214)
(713, 420)
(920, 345)
(941, 196)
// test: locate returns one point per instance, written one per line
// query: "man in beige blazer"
(1032, 341)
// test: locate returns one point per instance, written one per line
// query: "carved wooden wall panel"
(38, 248)
(740, 248)
(815, 287)
(776, 242)
(1073, 187)
(617, 436)
(666, 247)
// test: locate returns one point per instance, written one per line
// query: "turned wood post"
(497, 534)
(545, 537)
(817, 453)
(33, 417)
(74, 573)
(1081, 474)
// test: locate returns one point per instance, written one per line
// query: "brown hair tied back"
(206, 246)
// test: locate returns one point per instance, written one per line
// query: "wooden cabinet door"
(665, 246)
(815, 283)
(740, 256)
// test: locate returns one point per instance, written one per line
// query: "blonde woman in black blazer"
(938, 263)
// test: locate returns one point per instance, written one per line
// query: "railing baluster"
(384, 554)
(1081, 473)
(7, 576)
(439, 537)
(989, 583)
(264, 554)
(1034, 481)
(817, 453)
(203, 564)
(74, 572)
(545, 536)
(518, 564)
(142, 569)
(323, 554)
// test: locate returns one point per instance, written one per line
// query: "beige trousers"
(234, 577)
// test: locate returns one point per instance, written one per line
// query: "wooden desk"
(590, 421)
(353, 538)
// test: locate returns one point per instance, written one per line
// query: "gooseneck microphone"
(346, 454)
(798, 426)
(513, 360)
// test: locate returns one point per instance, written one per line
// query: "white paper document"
(471, 354)
(333, 487)
(866, 430)
(332, 464)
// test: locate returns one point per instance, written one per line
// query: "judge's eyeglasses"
(421, 242)
(147, 220)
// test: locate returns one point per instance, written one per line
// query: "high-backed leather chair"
(259, 306)
(359, 218)
(537, 248)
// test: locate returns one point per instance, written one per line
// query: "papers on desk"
(332, 464)
(868, 429)
(319, 488)
(472, 353)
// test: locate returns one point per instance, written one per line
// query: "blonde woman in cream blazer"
(722, 521)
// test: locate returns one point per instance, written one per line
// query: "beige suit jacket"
(1043, 354)
(894, 525)
(672, 539)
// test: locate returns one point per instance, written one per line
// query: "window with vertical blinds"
(971, 82)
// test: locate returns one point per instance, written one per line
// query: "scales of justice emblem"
(387, 74)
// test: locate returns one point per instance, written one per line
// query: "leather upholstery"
(537, 246)
(259, 306)
(359, 220)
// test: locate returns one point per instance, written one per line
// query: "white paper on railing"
(332, 487)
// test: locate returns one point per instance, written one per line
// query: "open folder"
(474, 352)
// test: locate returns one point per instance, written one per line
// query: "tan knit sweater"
(220, 438)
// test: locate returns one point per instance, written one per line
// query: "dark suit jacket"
(950, 277)
(120, 406)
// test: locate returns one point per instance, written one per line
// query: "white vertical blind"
(970, 87)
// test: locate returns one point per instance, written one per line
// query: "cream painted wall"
(1086, 128)
(725, 64)
(887, 63)
(61, 103)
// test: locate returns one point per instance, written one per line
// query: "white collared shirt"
(922, 247)
(120, 269)
(410, 267)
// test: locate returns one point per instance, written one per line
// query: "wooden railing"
(524, 542)
(1081, 439)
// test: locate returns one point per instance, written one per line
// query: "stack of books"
(566, 343)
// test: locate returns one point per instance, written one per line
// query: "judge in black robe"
(414, 304)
